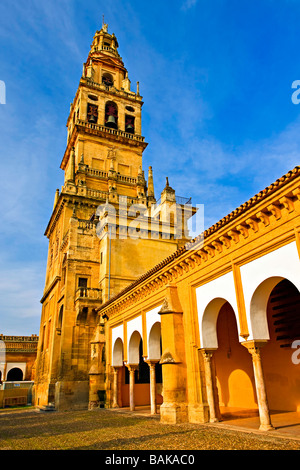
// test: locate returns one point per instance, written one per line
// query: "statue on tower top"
(104, 25)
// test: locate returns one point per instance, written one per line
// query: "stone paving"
(286, 424)
(120, 429)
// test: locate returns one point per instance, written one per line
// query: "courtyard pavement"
(285, 424)
(123, 430)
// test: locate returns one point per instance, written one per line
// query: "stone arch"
(111, 115)
(154, 342)
(258, 307)
(209, 323)
(133, 348)
(232, 367)
(118, 353)
(281, 374)
(107, 79)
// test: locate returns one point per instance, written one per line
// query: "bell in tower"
(129, 124)
(111, 115)
(92, 113)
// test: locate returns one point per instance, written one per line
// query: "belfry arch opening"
(111, 115)
(107, 79)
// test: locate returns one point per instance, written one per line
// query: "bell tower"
(106, 228)
(104, 123)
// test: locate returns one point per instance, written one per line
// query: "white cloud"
(187, 4)
(21, 287)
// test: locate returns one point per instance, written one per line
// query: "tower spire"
(151, 195)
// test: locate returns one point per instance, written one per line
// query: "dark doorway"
(15, 375)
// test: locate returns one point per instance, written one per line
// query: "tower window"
(129, 124)
(107, 80)
(82, 282)
(93, 97)
(111, 115)
(92, 113)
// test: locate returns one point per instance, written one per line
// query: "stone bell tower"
(106, 228)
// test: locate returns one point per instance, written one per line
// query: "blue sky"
(216, 80)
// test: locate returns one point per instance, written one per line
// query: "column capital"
(254, 346)
(207, 353)
(151, 362)
(132, 367)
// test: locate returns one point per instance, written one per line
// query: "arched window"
(92, 113)
(111, 115)
(129, 124)
(60, 320)
(142, 374)
(107, 80)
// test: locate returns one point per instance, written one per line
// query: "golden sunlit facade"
(134, 312)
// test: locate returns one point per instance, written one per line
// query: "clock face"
(108, 81)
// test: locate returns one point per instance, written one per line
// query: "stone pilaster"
(174, 408)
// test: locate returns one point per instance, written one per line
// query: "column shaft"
(263, 407)
(207, 354)
(153, 388)
(115, 391)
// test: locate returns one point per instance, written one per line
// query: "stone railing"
(20, 339)
(108, 130)
(89, 293)
(104, 174)
(85, 224)
(95, 172)
(97, 194)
